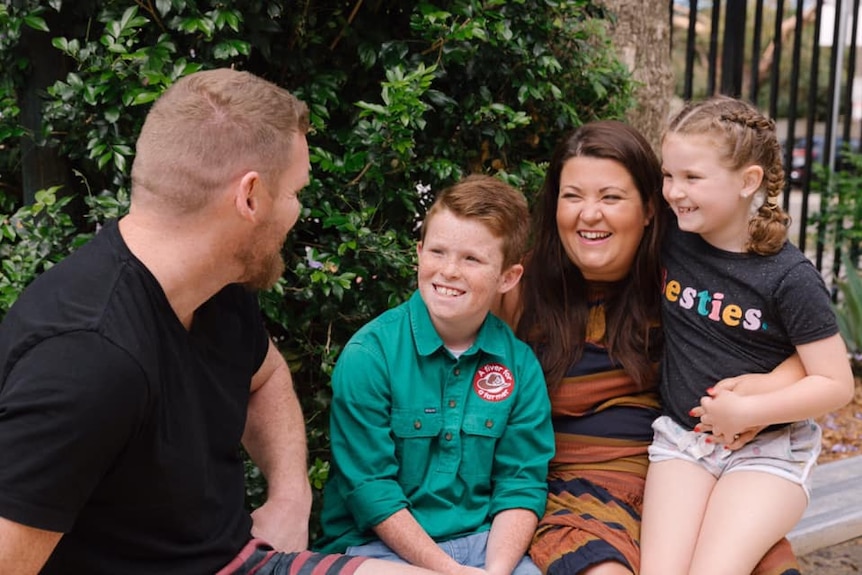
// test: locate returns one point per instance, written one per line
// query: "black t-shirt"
(725, 314)
(120, 428)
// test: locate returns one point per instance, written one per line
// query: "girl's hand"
(722, 413)
(736, 441)
(741, 384)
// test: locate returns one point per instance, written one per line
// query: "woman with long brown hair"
(589, 305)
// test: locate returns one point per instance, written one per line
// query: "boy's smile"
(460, 275)
(443, 290)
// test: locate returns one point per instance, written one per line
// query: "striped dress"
(596, 479)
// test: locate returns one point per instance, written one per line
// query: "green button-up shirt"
(455, 441)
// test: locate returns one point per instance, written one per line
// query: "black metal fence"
(797, 61)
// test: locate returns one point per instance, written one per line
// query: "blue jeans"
(468, 550)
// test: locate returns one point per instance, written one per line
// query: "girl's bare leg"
(675, 502)
(748, 512)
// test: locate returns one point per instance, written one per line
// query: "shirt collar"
(428, 341)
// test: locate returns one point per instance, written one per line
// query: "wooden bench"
(834, 514)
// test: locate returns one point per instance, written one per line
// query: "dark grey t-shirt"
(726, 314)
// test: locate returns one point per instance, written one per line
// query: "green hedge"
(406, 97)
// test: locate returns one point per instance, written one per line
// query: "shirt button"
(417, 424)
(457, 371)
(489, 423)
(448, 436)
(452, 403)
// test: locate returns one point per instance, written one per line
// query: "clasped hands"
(723, 412)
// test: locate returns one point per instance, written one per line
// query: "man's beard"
(265, 272)
(261, 269)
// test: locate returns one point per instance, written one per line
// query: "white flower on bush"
(309, 258)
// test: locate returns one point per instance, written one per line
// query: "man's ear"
(510, 277)
(752, 178)
(247, 196)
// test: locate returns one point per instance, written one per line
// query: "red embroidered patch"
(493, 382)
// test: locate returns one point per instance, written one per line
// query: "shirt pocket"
(416, 434)
(480, 434)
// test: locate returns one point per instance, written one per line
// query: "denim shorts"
(789, 452)
(468, 550)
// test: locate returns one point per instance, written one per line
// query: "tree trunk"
(41, 166)
(641, 34)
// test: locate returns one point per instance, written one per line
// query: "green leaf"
(128, 17)
(144, 97)
(75, 80)
(376, 108)
(114, 29)
(119, 162)
(112, 115)
(367, 55)
(46, 197)
(36, 23)
(104, 159)
(61, 44)
(164, 7)
(849, 309)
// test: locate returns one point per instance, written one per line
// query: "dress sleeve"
(67, 408)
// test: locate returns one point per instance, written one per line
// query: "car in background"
(797, 159)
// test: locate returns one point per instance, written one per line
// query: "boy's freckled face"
(460, 270)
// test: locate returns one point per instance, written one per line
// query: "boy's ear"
(752, 178)
(510, 278)
(246, 198)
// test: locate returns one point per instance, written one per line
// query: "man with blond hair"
(131, 372)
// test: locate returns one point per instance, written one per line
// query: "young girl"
(737, 298)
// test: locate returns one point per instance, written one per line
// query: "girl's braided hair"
(744, 137)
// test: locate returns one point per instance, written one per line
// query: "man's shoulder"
(89, 292)
(86, 275)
